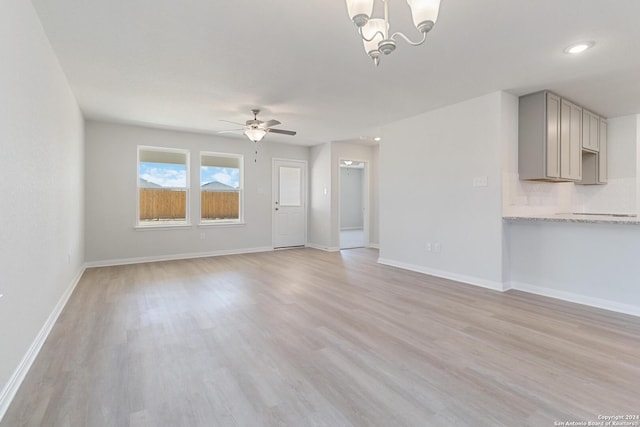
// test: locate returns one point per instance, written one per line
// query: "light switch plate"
(480, 181)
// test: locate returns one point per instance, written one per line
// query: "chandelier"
(375, 31)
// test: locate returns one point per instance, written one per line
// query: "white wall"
(544, 198)
(319, 225)
(111, 195)
(594, 264)
(324, 162)
(434, 158)
(619, 194)
(357, 152)
(374, 196)
(638, 164)
(351, 198)
(41, 162)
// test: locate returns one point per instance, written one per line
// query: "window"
(220, 188)
(163, 186)
(290, 186)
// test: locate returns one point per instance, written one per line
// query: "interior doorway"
(353, 204)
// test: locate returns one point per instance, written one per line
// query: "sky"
(173, 175)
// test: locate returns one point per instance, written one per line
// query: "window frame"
(222, 222)
(140, 225)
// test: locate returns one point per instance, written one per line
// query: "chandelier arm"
(418, 43)
(372, 37)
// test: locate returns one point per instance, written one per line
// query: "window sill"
(221, 224)
(162, 227)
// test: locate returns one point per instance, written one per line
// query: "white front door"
(289, 203)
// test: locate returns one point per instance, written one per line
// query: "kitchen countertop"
(582, 218)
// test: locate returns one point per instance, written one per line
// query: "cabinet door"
(590, 131)
(570, 141)
(602, 155)
(553, 136)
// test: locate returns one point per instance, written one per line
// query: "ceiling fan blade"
(230, 131)
(235, 123)
(282, 131)
(269, 123)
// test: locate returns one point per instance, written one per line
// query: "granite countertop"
(578, 217)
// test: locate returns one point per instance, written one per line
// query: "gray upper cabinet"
(603, 169)
(550, 138)
(594, 164)
(590, 131)
(539, 136)
(570, 141)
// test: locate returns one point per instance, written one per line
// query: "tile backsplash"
(545, 198)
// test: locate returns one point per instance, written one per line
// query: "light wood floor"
(303, 338)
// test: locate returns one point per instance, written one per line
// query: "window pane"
(220, 205)
(290, 194)
(162, 187)
(220, 185)
(162, 206)
(163, 175)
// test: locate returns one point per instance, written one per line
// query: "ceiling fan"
(256, 129)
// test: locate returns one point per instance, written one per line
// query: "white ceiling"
(187, 64)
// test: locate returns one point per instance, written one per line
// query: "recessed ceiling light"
(377, 138)
(579, 47)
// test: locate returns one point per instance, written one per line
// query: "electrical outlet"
(202, 236)
(428, 246)
(436, 247)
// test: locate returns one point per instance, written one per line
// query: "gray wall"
(351, 195)
(111, 195)
(41, 190)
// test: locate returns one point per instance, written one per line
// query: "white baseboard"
(12, 386)
(322, 248)
(174, 257)
(618, 307)
(476, 281)
(374, 245)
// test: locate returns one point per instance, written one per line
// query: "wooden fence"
(162, 204)
(220, 204)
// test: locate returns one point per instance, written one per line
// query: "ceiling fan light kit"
(256, 130)
(375, 31)
(255, 134)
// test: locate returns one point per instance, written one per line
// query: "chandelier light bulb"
(360, 11)
(424, 13)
